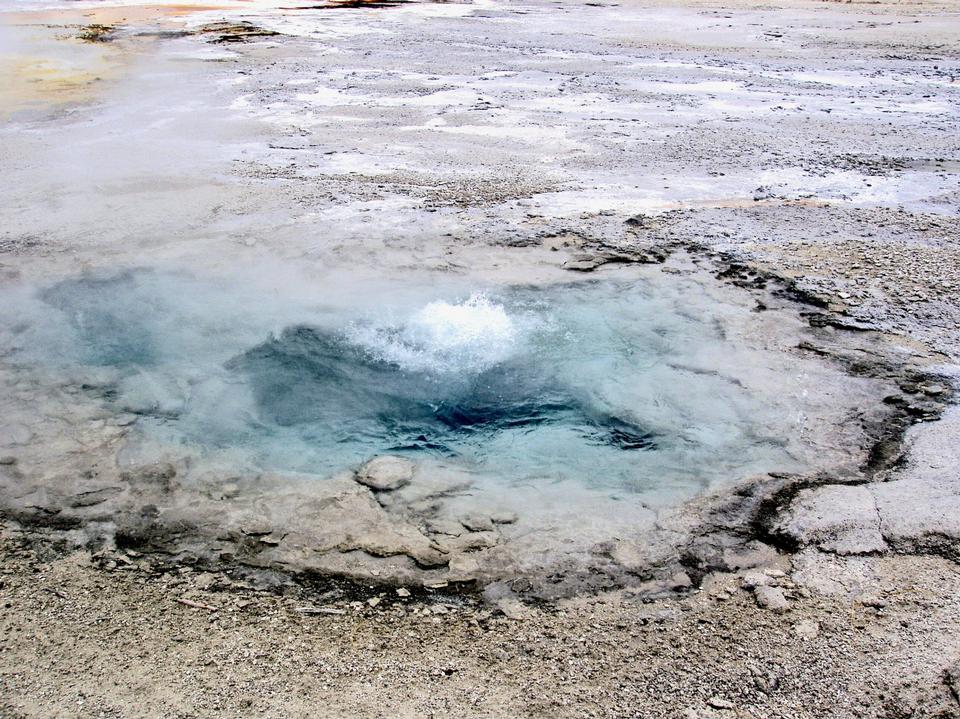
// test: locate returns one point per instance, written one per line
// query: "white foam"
(464, 337)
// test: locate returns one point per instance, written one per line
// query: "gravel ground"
(877, 637)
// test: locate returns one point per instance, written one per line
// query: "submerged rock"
(386, 473)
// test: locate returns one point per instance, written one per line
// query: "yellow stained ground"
(52, 67)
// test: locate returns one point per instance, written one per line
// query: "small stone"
(754, 579)
(771, 598)
(807, 629)
(256, 529)
(504, 517)
(477, 522)
(386, 473)
(8, 460)
(720, 703)
(373, 601)
(204, 580)
(933, 389)
(403, 592)
(445, 526)
(871, 600)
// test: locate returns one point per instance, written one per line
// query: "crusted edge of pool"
(343, 532)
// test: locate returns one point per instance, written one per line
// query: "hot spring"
(642, 386)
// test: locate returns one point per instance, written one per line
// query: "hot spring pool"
(635, 385)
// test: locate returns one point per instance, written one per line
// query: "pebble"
(720, 703)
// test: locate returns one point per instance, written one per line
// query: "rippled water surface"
(627, 385)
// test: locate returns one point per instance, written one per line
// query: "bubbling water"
(623, 387)
(469, 336)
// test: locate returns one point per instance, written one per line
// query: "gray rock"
(771, 598)
(477, 522)
(386, 473)
(807, 629)
(836, 518)
(445, 526)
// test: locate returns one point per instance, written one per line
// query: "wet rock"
(590, 261)
(504, 517)
(386, 473)
(771, 598)
(445, 526)
(7, 461)
(159, 476)
(93, 497)
(96, 33)
(469, 542)
(463, 567)
(230, 32)
(836, 518)
(477, 522)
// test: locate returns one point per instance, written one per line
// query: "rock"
(837, 518)
(477, 522)
(771, 598)
(753, 579)
(373, 601)
(463, 567)
(8, 460)
(228, 32)
(720, 703)
(872, 600)
(444, 526)
(386, 473)
(93, 497)
(205, 580)
(403, 592)
(589, 261)
(512, 608)
(807, 629)
(504, 517)
(752, 554)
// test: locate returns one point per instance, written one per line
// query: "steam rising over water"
(621, 386)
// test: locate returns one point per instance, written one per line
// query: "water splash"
(443, 337)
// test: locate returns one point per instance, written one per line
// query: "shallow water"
(626, 386)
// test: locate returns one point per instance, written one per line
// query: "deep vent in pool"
(623, 385)
(309, 376)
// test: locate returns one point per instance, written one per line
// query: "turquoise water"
(626, 385)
